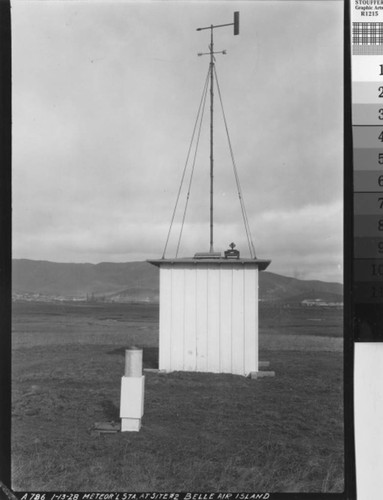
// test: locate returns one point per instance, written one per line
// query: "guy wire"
(186, 162)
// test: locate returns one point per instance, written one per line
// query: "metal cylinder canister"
(133, 362)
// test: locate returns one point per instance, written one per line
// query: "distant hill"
(275, 287)
(139, 281)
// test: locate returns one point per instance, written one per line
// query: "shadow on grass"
(110, 410)
(149, 356)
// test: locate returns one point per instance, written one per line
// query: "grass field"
(201, 432)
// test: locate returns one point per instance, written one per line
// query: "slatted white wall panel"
(213, 318)
(165, 316)
(209, 318)
(237, 323)
(178, 318)
(190, 338)
(251, 320)
(226, 297)
(201, 319)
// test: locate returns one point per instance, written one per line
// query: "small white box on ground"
(130, 424)
(132, 397)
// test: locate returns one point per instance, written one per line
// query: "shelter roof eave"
(261, 264)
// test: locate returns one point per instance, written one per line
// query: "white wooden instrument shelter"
(209, 314)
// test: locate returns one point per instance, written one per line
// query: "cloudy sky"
(105, 96)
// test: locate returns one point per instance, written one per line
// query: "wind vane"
(211, 53)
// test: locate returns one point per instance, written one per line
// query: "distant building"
(320, 303)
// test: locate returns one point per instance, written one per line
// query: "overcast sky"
(105, 95)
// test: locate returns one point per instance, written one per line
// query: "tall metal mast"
(211, 136)
(211, 53)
